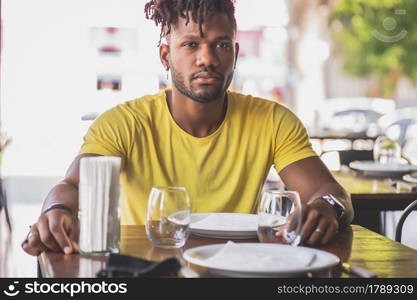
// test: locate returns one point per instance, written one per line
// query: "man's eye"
(191, 44)
(224, 45)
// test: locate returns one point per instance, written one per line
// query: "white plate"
(410, 178)
(373, 168)
(224, 225)
(314, 260)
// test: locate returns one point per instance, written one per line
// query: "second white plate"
(410, 178)
(224, 225)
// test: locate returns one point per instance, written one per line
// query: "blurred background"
(347, 68)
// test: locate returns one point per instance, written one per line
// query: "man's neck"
(198, 119)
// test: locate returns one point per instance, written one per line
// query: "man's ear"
(237, 53)
(164, 55)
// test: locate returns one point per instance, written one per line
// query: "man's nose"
(207, 57)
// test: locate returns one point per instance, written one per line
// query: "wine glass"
(279, 217)
(168, 217)
(386, 150)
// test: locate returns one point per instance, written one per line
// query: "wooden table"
(356, 245)
(371, 196)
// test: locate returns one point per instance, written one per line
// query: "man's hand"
(311, 179)
(57, 231)
(320, 223)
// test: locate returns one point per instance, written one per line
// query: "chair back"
(406, 212)
(347, 156)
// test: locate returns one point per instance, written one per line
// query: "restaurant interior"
(347, 69)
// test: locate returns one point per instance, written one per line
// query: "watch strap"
(61, 207)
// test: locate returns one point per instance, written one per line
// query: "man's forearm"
(63, 193)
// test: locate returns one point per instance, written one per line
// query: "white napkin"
(257, 258)
(227, 222)
(98, 201)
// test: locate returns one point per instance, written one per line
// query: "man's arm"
(311, 179)
(57, 230)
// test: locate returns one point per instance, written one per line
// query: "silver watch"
(339, 207)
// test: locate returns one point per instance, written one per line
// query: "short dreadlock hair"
(167, 12)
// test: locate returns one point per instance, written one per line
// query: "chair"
(353, 114)
(396, 124)
(403, 217)
(347, 156)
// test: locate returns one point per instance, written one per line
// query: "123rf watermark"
(391, 31)
(72, 289)
(366, 289)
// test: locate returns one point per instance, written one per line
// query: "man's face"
(202, 67)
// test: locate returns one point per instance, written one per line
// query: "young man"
(220, 145)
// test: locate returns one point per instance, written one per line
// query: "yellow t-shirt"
(223, 172)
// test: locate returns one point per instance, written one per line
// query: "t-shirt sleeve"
(291, 141)
(109, 135)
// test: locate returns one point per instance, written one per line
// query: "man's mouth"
(206, 78)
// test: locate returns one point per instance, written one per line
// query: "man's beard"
(205, 96)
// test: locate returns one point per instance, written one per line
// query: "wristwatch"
(339, 207)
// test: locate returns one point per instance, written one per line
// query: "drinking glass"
(168, 217)
(386, 150)
(279, 217)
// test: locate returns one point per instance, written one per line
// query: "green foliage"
(377, 37)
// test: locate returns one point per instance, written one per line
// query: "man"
(218, 144)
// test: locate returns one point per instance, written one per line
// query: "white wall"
(48, 81)
(48, 76)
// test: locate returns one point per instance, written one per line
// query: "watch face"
(331, 200)
(336, 204)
